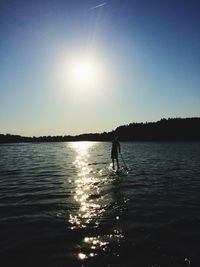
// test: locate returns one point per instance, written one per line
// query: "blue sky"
(148, 53)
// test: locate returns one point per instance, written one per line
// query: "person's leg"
(113, 162)
(117, 163)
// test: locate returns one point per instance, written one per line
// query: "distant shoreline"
(172, 129)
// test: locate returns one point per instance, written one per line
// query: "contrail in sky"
(100, 5)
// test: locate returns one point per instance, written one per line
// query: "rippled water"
(60, 205)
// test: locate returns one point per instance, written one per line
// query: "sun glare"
(83, 73)
(82, 77)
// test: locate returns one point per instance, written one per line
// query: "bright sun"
(83, 73)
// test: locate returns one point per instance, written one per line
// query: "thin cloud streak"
(100, 5)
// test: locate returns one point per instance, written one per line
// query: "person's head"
(116, 138)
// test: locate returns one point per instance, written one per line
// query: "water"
(60, 205)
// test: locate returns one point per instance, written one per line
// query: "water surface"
(61, 205)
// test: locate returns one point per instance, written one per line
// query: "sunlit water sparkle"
(61, 205)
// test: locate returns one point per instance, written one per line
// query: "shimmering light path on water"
(61, 205)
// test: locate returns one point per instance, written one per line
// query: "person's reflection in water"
(114, 152)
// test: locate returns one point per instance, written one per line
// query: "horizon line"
(76, 135)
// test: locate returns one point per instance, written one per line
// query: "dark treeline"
(164, 130)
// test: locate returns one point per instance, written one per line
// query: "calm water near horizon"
(60, 205)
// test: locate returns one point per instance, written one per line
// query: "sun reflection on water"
(93, 245)
(86, 186)
(92, 198)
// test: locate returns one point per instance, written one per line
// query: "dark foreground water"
(61, 206)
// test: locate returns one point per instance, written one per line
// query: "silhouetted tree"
(172, 129)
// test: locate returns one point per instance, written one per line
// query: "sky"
(79, 66)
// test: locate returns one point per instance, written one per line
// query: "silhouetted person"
(114, 151)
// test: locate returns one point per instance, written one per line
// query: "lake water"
(60, 205)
